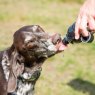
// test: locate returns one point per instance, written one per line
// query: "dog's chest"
(24, 88)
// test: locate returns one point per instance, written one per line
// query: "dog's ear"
(16, 69)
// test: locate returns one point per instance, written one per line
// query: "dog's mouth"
(57, 41)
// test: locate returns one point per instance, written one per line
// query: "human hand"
(86, 18)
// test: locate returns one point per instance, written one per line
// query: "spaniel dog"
(21, 64)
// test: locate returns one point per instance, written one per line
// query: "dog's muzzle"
(48, 49)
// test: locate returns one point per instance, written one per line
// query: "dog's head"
(33, 43)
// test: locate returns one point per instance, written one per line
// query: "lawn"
(71, 72)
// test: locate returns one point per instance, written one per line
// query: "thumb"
(77, 35)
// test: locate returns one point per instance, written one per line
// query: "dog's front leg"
(3, 83)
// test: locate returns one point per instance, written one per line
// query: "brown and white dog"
(20, 64)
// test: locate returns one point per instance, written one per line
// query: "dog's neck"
(33, 62)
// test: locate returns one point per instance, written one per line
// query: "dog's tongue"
(60, 46)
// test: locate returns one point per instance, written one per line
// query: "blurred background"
(71, 72)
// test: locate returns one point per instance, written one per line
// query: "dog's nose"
(56, 39)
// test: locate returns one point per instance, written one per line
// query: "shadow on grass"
(83, 86)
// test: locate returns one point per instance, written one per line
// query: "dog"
(21, 64)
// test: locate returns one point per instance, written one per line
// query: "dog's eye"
(31, 41)
(43, 40)
(31, 45)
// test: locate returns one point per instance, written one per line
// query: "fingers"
(91, 23)
(81, 27)
(77, 28)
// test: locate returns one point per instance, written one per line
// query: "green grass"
(62, 73)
